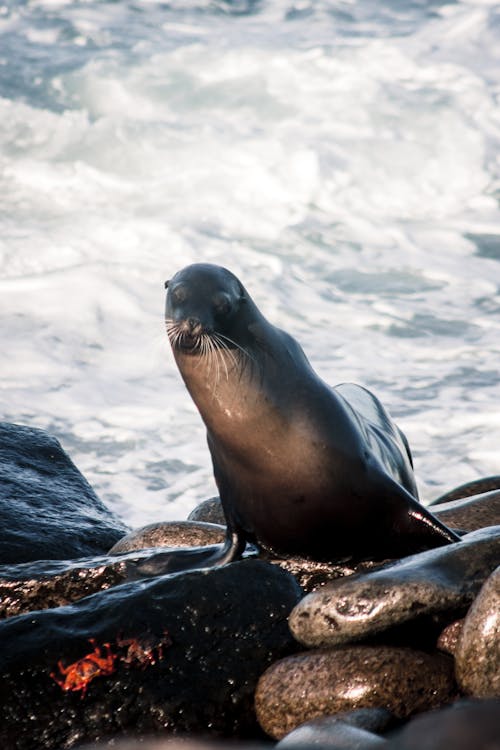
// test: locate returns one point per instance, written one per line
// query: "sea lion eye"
(222, 304)
(166, 284)
(179, 294)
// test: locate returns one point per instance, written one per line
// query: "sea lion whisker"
(224, 347)
(241, 348)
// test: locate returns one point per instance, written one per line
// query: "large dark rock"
(48, 511)
(185, 653)
(443, 580)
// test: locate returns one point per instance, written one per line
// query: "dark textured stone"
(347, 730)
(476, 487)
(477, 655)
(171, 534)
(471, 513)
(439, 580)
(465, 725)
(218, 630)
(210, 511)
(48, 511)
(323, 682)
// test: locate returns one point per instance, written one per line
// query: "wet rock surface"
(477, 653)
(170, 534)
(471, 513)
(440, 580)
(45, 584)
(465, 725)
(48, 511)
(176, 654)
(322, 682)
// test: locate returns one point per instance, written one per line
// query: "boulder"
(176, 654)
(48, 511)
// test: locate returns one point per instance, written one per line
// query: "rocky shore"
(404, 654)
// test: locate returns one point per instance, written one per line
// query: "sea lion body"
(302, 468)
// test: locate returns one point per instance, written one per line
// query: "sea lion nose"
(194, 325)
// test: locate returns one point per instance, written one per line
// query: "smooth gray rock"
(477, 655)
(333, 735)
(323, 682)
(48, 511)
(465, 725)
(210, 511)
(439, 580)
(347, 730)
(170, 534)
(471, 513)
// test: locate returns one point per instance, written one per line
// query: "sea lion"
(302, 469)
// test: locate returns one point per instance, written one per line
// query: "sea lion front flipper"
(192, 558)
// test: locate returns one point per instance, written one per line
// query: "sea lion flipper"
(179, 560)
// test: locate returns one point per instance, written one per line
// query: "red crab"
(143, 651)
(77, 676)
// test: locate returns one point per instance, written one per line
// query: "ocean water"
(340, 156)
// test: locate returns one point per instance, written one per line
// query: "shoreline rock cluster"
(302, 653)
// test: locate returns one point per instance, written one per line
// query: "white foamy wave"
(340, 157)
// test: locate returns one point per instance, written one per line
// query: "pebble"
(445, 579)
(210, 511)
(171, 534)
(448, 638)
(323, 682)
(476, 487)
(477, 654)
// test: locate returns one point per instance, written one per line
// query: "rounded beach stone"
(440, 580)
(471, 513)
(210, 511)
(448, 638)
(324, 682)
(477, 656)
(476, 487)
(170, 534)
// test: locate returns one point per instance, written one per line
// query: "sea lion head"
(203, 302)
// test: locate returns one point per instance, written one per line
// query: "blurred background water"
(340, 156)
